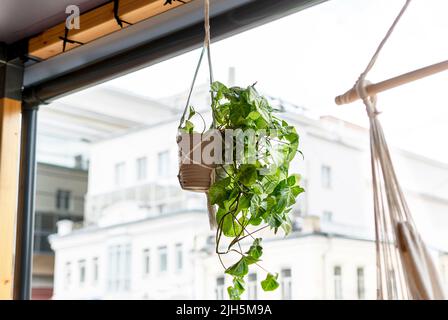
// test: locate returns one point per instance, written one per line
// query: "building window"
(45, 225)
(286, 284)
(360, 283)
(119, 268)
(68, 274)
(337, 271)
(63, 199)
(163, 162)
(162, 208)
(252, 286)
(141, 169)
(119, 173)
(179, 257)
(326, 177)
(95, 268)
(327, 216)
(163, 259)
(220, 288)
(146, 262)
(82, 271)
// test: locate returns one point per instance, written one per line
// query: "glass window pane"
(163, 259)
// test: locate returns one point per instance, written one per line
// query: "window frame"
(119, 173)
(337, 281)
(163, 167)
(162, 250)
(361, 283)
(179, 257)
(146, 262)
(326, 172)
(141, 168)
(286, 283)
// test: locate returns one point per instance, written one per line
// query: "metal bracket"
(11, 75)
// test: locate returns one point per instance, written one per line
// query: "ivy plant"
(251, 194)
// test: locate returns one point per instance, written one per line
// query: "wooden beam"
(373, 89)
(10, 123)
(97, 23)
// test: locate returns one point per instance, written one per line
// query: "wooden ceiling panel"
(97, 23)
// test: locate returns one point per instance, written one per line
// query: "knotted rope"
(205, 48)
(194, 175)
(404, 268)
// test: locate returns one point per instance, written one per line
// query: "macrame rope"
(205, 48)
(404, 269)
(196, 170)
(388, 260)
(385, 39)
(207, 23)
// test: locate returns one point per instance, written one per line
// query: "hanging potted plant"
(253, 189)
(242, 164)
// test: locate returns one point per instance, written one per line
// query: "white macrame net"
(405, 269)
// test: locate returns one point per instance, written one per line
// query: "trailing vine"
(252, 194)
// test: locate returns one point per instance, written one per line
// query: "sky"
(312, 56)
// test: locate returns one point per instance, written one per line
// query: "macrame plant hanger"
(193, 174)
(405, 269)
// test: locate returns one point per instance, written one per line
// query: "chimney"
(64, 227)
(79, 162)
(311, 224)
(232, 77)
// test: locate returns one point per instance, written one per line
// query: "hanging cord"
(117, 15)
(212, 174)
(206, 48)
(387, 258)
(67, 40)
(361, 83)
(403, 269)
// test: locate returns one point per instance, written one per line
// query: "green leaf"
(270, 283)
(218, 192)
(218, 86)
(291, 181)
(234, 293)
(239, 269)
(269, 183)
(244, 202)
(260, 104)
(192, 113)
(297, 190)
(250, 260)
(257, 188)
(248, 174)
(274, 220)
(189, 126)
(287, 226)
(239, 284)
(255, 250)
(219, 89)
(254, 115)
(226, 221)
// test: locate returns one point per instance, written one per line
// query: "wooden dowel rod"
(351, 95)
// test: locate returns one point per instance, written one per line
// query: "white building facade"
(144, 238)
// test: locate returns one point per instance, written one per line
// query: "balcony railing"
(157, 199)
